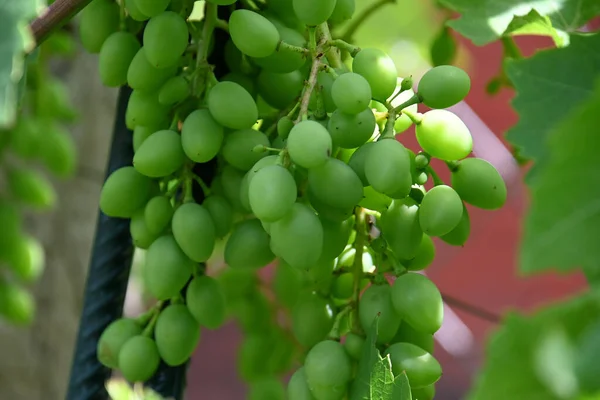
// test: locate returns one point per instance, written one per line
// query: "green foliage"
(484, 21)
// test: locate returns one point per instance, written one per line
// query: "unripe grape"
(272, 193)
(201, 136)
(113, 338)
(31, 188)
(373, 200)
(441, 211)
(444, 135)
(124, 192)
(421, 368)
(378, 69)
(134, 11)
(206, 301)
(418, 301)
(358, 159)
(144, 109)
(245, 184)
(297, 388)
(160, 155)
(252, 33)
(309, 144)
(232, 106)
(141, 75)
(313, 12)
(194, 231)
(99, 20)
(245, 81)
(350, 131)
(284, 127)
(343, 11)
(25, 258)
(335, 184)
(351, 93)
(60, 155)
(152, 8)
(280, 90)
(424, 393)
(460, 234)
(376, 300)
(17, 305)
(478, 183)
(354, 345)
(165, 39)
(140, 234)
(248, 246)
(328, 370)
(167, 268)
(221, 213)
(312, 319)
(424, 257)
(238, 148)
(335, 237)
(177, 334)
(116, 54)
(444, 86)
(401, 229)
(267, 388)
(173, 91)
(387, 168)
(139, 359)
(408, 334)
(158, 213)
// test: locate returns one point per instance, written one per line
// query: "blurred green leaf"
(360, 389)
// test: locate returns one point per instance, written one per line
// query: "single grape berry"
(444, 86)
(113, 338)
(99, 20)
(351, 93)
(167, 268)
(177, 334)
(284, 127)
(116, 54)
(379, 70)
(201, 136)
(328, 370)
(343, 11)
(248, 246)
(272, 193)
(388, 169)
(313, 12)
(253, 34)
(444, 135)
(309, 144)
(479, 183)
(459, 235)
(160, 155)
(441, 210)
(421, 368)
(312, 319)
(124, 192)
(194, 231)
(206, 301)
(139, 359)
(401, 229)
(165, 39)
(232, 106)
(418, 301)
(377, 301)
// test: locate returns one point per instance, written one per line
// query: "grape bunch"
(307, 172)
(36, 145)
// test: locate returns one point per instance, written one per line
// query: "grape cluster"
(309, 172)
(39, 138)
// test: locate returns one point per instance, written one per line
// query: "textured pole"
(108, 274)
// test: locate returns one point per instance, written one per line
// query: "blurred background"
(480, 281)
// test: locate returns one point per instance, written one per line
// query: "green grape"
(284, 10)
(376, 300)
(373, 200)
(134, 12)
(222, 2)
(378, 69)
(235, 60)
(116, 334)
(335, 184)
(231, 181)
(354, 346)
(251, 356)
(139, 359)
(349, 131)
(25, 138)
(343, 11)
(144, 109)
(444, 86)
(425, 393)
(167, 268)
(253, 34)
(272, 193)
(280, 90)
(142, 237)
(160, 155)
(460, 234)
(253, 313)
(421, 368)
(418, 301)
(312, 319)
(351, 93)
(343, 286)
(403, 121)
(283, 354)
(424, 257)
(284, 61)
(313, 12)
(401, 229)
(25, 258)
(17, 305)
(158, 213)
(326, 211)
(194, 231)
(287, 283)
(309, 144)
(387, 168)
(248, 246)
(245, 186)
(141, 75)
(60, 153)
(284, 127)
(408, 334)
(335, 237)
(201, 136)
(358, 159)
(441, 211)
(232, 106)
(177, 334)
(238, 148)
(140, 134)
(173, 91)
(99, 20)
(444, 135)
(165, 39)
(31, 188)
(328, 370)
(586, 358)
(479, 183)
(301, 225)
(116, 55)
(266, 389)
(152, 8)
(221, 213)
(320, 275)
(53, 100)
(443, 48)
(297, 388)
(244, 81)
(125, 191)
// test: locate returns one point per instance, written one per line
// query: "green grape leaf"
(549, 85)
(360, 389)
(484, 21)
(118, 389)
(533, 357)
(381, 385)
(15, 40)
(402, 388)
(563, 225)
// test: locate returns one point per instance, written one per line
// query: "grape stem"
(437, 181)
(334, 333)
(415, 99)
(210, 20)
(329, 70)
(357, 266)
(149, 329)
(452, 165)
(290, 47)
(342, 45)
(310, 85)
(222, 24)
(333, 53)
(359, 20)
(202, 184)
(415, 117)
